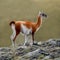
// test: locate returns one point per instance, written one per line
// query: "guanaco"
(26, 27)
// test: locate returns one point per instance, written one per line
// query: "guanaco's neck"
(39, 22)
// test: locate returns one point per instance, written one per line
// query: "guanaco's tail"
(12, 22)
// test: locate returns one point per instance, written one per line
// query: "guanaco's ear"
(39, 13)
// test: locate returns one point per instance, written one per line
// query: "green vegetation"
(28, 9)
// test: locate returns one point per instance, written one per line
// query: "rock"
(33, 54)
(6, 53)
(57, 58)
(58, 43)
(5, 49)
(51, 43)
(46, 57)
(6, 56)
(48, 49)
(55, 53)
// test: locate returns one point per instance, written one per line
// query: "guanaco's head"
(42, 14)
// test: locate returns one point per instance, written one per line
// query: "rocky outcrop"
(6, 53)
(49, 49)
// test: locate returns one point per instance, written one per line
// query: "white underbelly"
(25, 30)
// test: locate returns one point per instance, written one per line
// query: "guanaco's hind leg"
(16, 31)
(13, 36)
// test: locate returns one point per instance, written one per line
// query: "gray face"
(43, 14)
